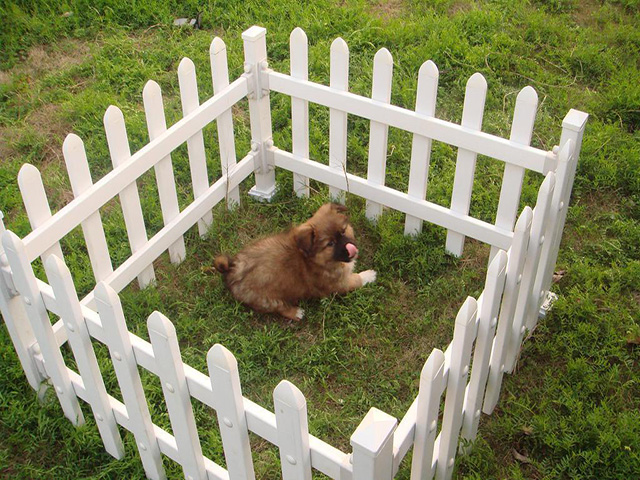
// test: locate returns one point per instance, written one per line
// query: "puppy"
(311, 260)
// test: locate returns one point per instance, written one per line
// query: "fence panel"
(472, 113)
(27, 285)
(463, 336)
(524, 117)
(129, 198)
(526, 295)
(225, 383)
(36, 203)
(491, 296)
(299, 49)
(515, 267)
(338, 129)
(164, 341)
(126, 368)
(195, 144)
(421, 146)
(80, 341)
(372, 444)
(378, 132)
(226, 138)
(431, 388)
(75, 159)
(293, 431)
(157, 125)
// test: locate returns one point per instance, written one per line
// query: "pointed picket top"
(567, 151)
(217, 46)
(151, 89)
(297, 35)
(467, 312)
(477, 81)
(383, 56)
(339, 46)
(160, 324)
(524, 220)
(431, 367)
(72, 143)
(527, 95)
(113, 116)
(219, 356)
(186, 66)
(427, 90)
(497, 266)
(290, 395)
(28, 176)
(546, 189)
(429, 69)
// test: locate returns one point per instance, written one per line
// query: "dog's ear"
(305, 237)
(338, 207)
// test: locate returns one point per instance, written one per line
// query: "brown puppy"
(312, 260)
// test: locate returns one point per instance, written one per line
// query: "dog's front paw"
(368, 276)
(300, 314)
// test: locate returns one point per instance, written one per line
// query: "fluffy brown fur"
(311, 260)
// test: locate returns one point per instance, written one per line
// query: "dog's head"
(327, 236)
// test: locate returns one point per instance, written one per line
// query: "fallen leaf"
(519, 457)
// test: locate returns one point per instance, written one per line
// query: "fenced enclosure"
(488, 330)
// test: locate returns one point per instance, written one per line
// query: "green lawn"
(572, 408)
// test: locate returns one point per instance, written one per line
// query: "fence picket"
(515, 266)
(77, 165)
(472, 113)
(225, 383)
(491, 296)
(226, 138)
(195, 144)
(338, 129)
(157, 125)
(421, 146)
(124, 363)
(80, 341)
(372, 444)
(36, 203)
(255, 67)
(299, 49)
(526, 295)
(26, 284)
(293, 431)
(166, 350)
(524, 117)
(129, 198)
(431, 388)
(378, 132)
(463, 336)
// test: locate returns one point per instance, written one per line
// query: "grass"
(571, 411)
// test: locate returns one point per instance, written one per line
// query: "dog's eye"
(331, 243)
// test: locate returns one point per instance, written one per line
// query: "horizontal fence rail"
(455, 386)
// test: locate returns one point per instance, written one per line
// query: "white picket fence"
(488, 331)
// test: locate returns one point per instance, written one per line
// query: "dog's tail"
(223, 263)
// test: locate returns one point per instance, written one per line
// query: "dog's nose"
(351, 249)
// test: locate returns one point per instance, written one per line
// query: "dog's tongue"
(352, 249)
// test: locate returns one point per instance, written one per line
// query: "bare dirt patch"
(387, 9)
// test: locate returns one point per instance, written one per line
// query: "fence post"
(195, 145)
(255, 65)
(129, 198)
(378, 132)
(156, 125)
(226, 138)
(225, 383)
(372, 444)
(166, 351)
(526, 295)
(524, 117)
(338, 79)
(36, 203)
(491, 296)
(80, 341)
(15, 318)
(515, 266)
(293, 431)
(124, 363)
(431, 388)
(463, 336)
(77, 165)
(472, 113)
(573, 127)
(421, 146)
(299, 49)
(38, 315)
